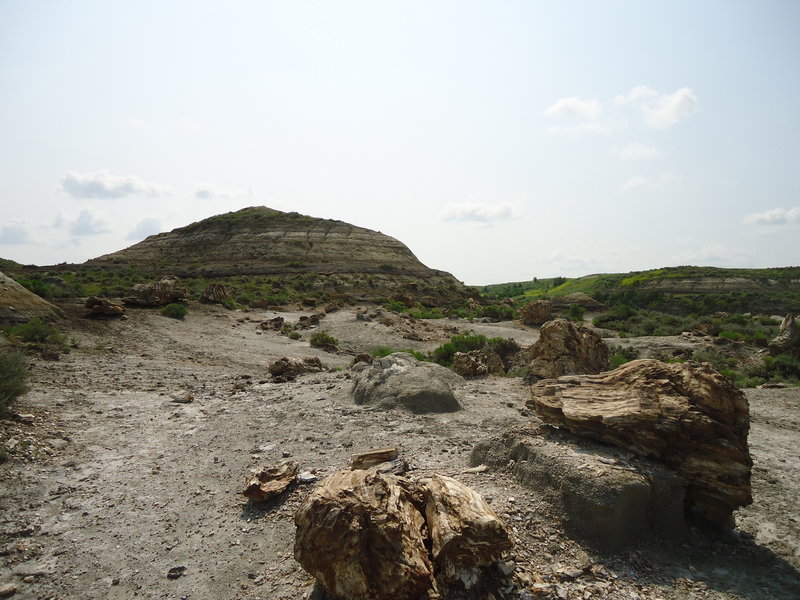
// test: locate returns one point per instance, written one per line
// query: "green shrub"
(324, 340)
(458, 343)
(294, 335)
(498, 312)
(395, 306)
(382, 351)
(13, 377)
(39, 287)
(575, 312)
(174, 311)
(426, 313)
(39, 335)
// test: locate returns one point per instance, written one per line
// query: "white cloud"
(588, 110)
(14, 234)
(208, 191)
(86, 224)
(776, 216)
(140, 124)
(636, 151)
(144, 228)
(660, 111)
(102, 184)
(480, 213)
(713, 255)
(644, 183)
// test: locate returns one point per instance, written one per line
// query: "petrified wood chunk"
(289, 367)
(536, 313)
(687, 415)
(477, 363)
(565, 348)
(365, 460)
(102, 307)
(360, 535)
(269, 482)
(365, 535)
(158, 293)
(788, 339)
(215, 293)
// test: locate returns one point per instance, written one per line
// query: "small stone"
(176, 572)
(285, 454)
(29, 579)
(7, 590)
(306, 477)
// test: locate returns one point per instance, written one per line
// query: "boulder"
(477, 363)
(788, 339)
(269, 482)
(215, 293)
(365, 534)
(400, 380)
(19, 305)
(536, 313)
(289, 368)
(274, 324)
(157, 293)
(602, 494)
(102, 308)
(565, 348)
(688, 416)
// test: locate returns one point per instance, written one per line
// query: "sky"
(500, 141)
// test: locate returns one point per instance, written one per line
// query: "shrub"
(294, 335)
(497, 312)
(395, 306)
(382, 351)
(13, 377)
(324, 340)
(174, 311)
(458, 343)
(40, 336)
(575, 312)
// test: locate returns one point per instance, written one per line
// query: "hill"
(679, 290)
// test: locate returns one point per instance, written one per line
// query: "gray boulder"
(400, 380)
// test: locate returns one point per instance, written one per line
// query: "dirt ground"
(110, 483)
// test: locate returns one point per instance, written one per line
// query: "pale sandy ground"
(124, 484)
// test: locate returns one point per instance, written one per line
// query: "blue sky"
(498, 140)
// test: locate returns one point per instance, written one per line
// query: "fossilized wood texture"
(269, 482)
(565, 348)
(157, 293)
(536, 313)
(288, 368)
(788, 339)
(102, 307)
(360, 535)
(687, 415)
(365, 460)
(365, 534)
(477, 363)
(215, 293)
(465, 532)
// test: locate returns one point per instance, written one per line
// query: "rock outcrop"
(536, 313)
(688, 416)
(18, 304)
(565, 348)
(365, 535)
(400, 380)
(157, 293)
(578, 298)
(788, 339)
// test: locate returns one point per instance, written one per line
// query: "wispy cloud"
(479, 213)
(648, 183)
(776, 216)
(144, 228)
(660, 111)
(87, 224)
(208, 191)
(636, 151)
(575, 107)
(104, 185)
(15, 234)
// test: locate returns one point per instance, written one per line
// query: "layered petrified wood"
(365, 534)
(687, 415)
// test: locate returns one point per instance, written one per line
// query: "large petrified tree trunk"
(687, 415)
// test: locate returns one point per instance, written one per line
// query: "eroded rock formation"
(215, 293)
(788, 339)
(157, 293)
(102, 308)
(289, 368)
(536, 313)
(477, 363)
(688, 416)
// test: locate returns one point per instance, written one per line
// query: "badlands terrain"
(128, 457)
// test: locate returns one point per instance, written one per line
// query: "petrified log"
(158, 293)
(536, 313)
(466, 534)
(274, 324)
(289, 367)
(788, 339)
(686, 415)
(269, 482)
(365, 535)
(215, 293)
(102, 307)
(477, 363)
(365, 460)
(360, 535)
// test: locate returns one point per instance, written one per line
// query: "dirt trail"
(126, 484)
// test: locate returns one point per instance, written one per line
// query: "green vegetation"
(460, 343)
(294, 335)
(382, 351)
(253, 218)
(174, 311)
(13, 377)
(324, 340)
(40, 336)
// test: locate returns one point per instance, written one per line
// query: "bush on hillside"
(13, 377)
(38, 335)
(174, 311)
(324, 340)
